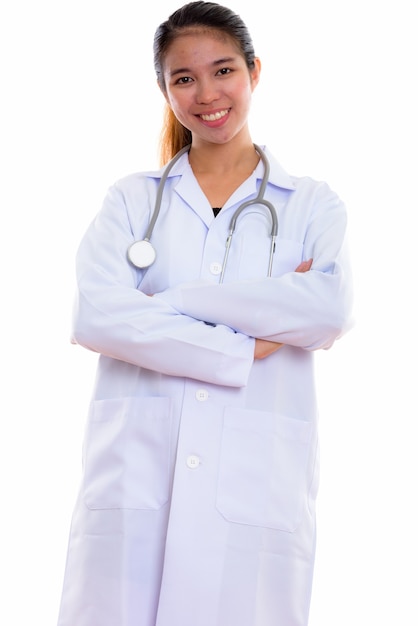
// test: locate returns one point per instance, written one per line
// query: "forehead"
(195, 42)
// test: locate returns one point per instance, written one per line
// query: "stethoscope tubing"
(144, 248)
(160, 191)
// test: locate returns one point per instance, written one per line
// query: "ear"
(255, 73)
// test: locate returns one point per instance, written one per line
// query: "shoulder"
(136, 180)
(134, 188)
(301, 185)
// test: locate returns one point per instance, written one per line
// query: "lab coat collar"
(188, 187)
(177, 170)
(278, 176)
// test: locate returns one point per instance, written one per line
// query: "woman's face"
(208, 85)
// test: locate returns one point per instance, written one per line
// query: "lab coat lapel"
(189, 190)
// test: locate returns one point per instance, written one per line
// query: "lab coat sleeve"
(308, 310)
(113, 317)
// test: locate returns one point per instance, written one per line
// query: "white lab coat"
(197, 502)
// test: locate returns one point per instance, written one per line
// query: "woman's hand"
(263, 347)
(305, 266)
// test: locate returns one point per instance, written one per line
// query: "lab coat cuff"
(237, 361)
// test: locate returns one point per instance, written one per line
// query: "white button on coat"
(216, 268)
(202, 395)
(193, 461)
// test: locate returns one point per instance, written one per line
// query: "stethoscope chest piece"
(141, 253)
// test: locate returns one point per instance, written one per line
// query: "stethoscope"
(142, 253)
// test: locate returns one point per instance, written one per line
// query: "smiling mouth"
(213, 117)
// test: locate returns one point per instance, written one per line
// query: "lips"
(213, 117)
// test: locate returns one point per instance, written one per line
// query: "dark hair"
(209, 15)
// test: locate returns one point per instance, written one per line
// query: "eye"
(224, 70)
(184, 80)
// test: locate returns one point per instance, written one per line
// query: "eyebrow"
(185, 70)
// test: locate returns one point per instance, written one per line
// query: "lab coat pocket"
(264, 477)
(254, 254)
(287, 257)
(126, 454)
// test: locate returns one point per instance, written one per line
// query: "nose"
(207, 92)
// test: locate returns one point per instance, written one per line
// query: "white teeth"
(214, 116)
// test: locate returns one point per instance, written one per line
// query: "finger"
(305, 266)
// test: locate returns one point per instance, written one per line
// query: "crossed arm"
(263, 347)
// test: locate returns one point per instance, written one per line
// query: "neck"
(221, 168)
(223, 158)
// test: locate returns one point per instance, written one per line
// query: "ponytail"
(174, 136)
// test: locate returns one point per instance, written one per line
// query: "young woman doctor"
(197, 502)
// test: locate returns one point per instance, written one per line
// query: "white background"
(80, 108)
